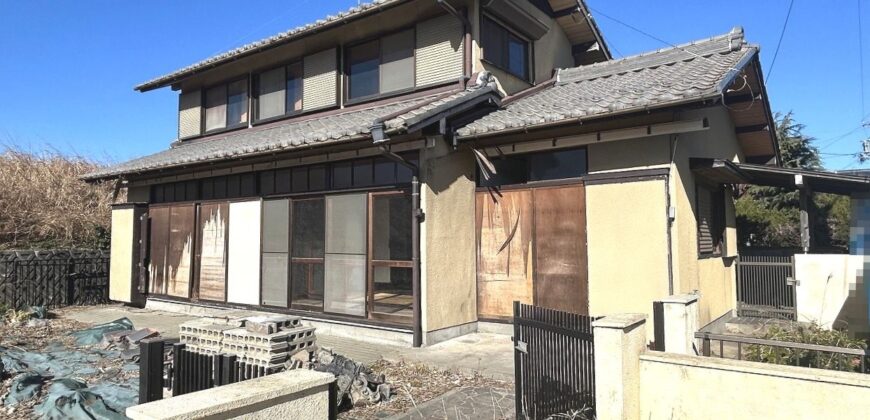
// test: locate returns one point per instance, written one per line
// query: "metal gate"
(554, 362)
(766, 286)
(54, 278)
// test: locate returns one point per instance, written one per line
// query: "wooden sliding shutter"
(531, 247)
(504, 251)
(560, 249)
(211, 251)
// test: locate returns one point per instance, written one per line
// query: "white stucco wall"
(831, 291)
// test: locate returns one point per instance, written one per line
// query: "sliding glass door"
(345, 263)
(391, 268)
(346, 254)
(307, 251)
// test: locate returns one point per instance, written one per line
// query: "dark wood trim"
(626, 176)
(750, 128)
(533, 184)
(227, 127)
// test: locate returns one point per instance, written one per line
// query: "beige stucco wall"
(713, 278)
(691, 387)
(831, 291)
(627, 247)
(447, 243)
(121, 258)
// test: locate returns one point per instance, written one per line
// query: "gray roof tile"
(669, 76)
(280, 137)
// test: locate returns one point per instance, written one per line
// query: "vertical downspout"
(416, 218)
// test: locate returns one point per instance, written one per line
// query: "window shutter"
(270, 102)
(705, 221)
(189, 114)
(397, 66)
(320, 84)
(216, 108)
(439, 57)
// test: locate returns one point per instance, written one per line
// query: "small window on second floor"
(381, 66)
(279, 91)
(504, 49)
(226, 105)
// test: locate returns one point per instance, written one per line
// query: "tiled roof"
(286, 36)
(682, 74)
(280, 137)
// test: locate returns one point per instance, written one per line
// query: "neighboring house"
(412, 167)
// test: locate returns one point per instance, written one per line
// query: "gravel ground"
(414, 384)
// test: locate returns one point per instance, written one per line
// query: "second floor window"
(504, 49)
(279, 91)
(381, 66)
(226, 105)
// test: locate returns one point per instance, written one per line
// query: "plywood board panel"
(560, 249)
(504, 251)
(243, 270)
(157, 263)
(212, 251)
(180, 251)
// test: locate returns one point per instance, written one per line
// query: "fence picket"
(553, 361)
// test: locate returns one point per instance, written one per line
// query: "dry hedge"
(44, 204)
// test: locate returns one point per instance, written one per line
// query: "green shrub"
(808, 334)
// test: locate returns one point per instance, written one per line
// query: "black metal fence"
(54, 278)
(554, 362)
(183, 371)
(766, 286)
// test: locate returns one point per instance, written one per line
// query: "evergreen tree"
(770, 216)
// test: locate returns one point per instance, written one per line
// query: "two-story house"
(408, 168)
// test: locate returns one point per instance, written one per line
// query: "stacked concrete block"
(267, 341)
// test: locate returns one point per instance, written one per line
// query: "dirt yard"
(414, 384)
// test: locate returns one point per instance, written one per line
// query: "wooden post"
(150, 370)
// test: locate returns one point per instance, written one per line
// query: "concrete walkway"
(490, 355)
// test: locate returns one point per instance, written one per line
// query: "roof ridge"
(735, 38)
(267, 41)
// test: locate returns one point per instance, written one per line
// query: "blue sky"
(67, 69)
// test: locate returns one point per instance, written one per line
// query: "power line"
(779, 43)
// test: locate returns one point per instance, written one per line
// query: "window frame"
(255, 94)
(718, 222)
(345, 67)
(227, 127)
(530, 51)
(528, 170)
(372, 262)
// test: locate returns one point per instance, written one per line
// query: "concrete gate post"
(681, 323)
(619, 341)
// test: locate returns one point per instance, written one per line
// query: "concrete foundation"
(373, 333)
